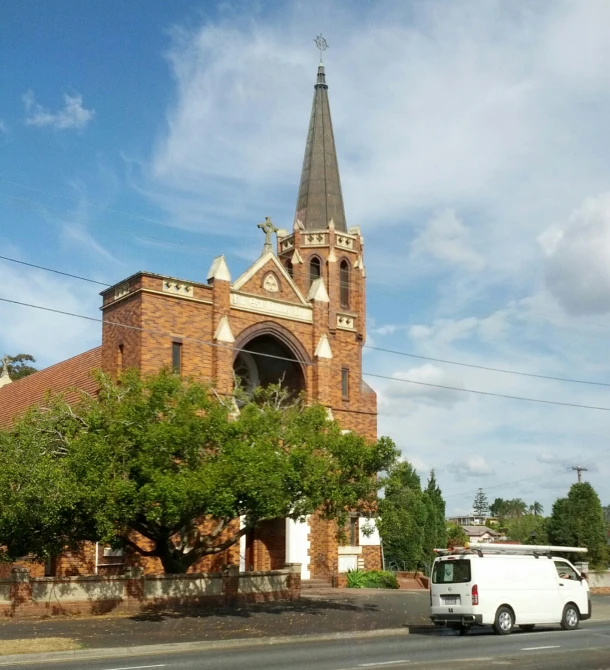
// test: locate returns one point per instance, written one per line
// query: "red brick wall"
(165, 317)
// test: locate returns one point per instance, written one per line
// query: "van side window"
(565, 570)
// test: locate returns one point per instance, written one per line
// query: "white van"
(507, 585)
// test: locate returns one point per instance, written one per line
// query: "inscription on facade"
(271, 307)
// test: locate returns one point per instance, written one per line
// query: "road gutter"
(181, 647)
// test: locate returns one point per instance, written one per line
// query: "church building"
(297, 314)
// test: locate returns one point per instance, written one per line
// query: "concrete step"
(411, 584)
(315, 583)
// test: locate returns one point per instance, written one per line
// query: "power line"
(484, 367)
(367, 346)
(564, 470)
(58, 272)
(233, 255)
(486, 393)
(544, 475)
(154, 332)
(366, 374)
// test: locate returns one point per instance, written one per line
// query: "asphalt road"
(548, 649)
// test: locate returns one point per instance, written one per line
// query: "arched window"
(344, 284)
(315, 269)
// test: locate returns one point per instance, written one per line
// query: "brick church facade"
(298, 314)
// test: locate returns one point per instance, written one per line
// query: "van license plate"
(450, 600)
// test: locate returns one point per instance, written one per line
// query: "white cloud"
(578, 258)
(72, 116)
(471, 466)
(461, 101)
(47, 336)
(446, 238)
(419, 385)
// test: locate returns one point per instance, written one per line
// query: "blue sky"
(473, 144)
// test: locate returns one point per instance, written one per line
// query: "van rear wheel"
(505, 621)
(571, 617)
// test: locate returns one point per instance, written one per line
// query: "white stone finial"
(4, 376)
(219, 270)
(331, 224)
(323, 349)
(318, 291)
(223, 332)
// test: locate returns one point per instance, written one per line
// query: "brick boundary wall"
(23, 596)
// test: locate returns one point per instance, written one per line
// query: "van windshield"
(451, 572)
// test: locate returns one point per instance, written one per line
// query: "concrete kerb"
(181, 647)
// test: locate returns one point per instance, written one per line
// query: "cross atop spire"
(320, 197)
(322, 45)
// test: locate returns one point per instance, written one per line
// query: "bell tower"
(321, 245)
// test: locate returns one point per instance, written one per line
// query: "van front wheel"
(505, 621)
(571, 617)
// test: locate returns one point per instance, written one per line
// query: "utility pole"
(580, 470)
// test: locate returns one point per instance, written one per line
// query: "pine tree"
(437, 528)
(480, 505)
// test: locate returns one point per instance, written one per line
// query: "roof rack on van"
(493, 548)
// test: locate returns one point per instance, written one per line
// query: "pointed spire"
(219, 270)
(223, 331)
(317, 291)
(5, 377)
(323, 349)
(320, 198)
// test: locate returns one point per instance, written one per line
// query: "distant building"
(472, 520)
(480, 534)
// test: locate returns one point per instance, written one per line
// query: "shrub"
(371, 579)
(355, 579)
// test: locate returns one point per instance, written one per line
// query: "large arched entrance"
(265, 354)
(269, 354)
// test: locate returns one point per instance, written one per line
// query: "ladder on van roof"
(522, 549)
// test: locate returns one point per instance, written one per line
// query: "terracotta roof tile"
(73, 373)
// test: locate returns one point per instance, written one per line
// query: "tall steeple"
(320, 198)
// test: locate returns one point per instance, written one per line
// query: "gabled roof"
(478, 530)
(268, 257)
(73, 373)
(320, 197)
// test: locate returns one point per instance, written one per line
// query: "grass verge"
(38, 645)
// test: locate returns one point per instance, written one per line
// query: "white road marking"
(552, 646)
(380, 663)
(139, 667)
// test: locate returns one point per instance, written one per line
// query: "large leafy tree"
(412, 521)
(511, 509)
(527, 529)
(165, 467)
(19, 365)
(578, 520)
(456, 535)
